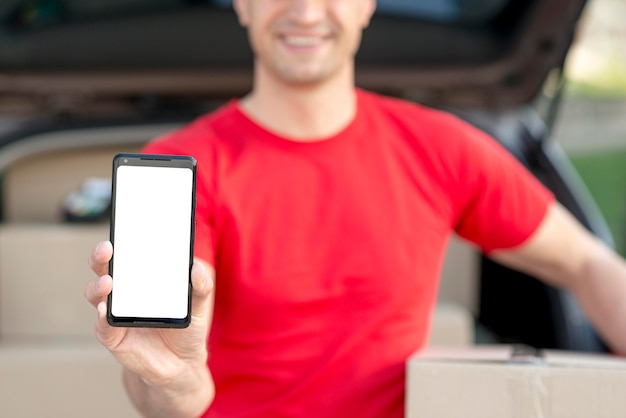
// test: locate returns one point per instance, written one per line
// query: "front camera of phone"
(125, 160)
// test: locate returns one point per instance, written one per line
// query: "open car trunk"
(465, 52)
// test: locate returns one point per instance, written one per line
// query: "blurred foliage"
(610, 85)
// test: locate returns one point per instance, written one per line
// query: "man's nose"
(307, 12)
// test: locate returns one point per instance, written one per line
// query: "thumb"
(109, 336)
(202, 283)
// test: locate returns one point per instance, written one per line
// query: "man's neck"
(302, 112)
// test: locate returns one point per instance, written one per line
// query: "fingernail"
(200, 271)
(102, 309)
(98, 249)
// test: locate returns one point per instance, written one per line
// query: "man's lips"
(304, 41)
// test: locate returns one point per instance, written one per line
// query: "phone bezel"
(151, 160)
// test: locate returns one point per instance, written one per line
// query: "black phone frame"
(152, 160)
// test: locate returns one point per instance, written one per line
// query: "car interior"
(81, 80)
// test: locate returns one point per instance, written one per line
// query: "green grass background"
(604, 173)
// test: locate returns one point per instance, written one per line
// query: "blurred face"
(304, 41)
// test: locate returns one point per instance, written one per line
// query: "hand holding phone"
(152, 229)
(165, 365)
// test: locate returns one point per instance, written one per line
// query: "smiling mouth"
(304, 41)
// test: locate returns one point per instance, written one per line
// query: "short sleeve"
(498, 202)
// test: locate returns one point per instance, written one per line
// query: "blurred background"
(591, 126)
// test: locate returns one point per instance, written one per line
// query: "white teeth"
(303, 40)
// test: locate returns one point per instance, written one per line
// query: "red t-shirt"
(328, 253)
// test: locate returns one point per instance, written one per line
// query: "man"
(325, 211)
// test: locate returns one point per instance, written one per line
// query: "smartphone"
(152, 232)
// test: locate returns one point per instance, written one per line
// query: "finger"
(96, 290)
(109, 336)
(100, 257)
(202, 283)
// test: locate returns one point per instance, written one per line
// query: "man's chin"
(305, 79)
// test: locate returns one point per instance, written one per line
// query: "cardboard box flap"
(520, 354)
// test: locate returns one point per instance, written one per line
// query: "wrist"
(188, 394)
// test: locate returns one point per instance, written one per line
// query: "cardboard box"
(487, 381)
(43, 271)
(56, 380)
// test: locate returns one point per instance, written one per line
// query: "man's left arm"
(564, 254)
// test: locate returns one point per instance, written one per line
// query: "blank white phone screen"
(152, 234)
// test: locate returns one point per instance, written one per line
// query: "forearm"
(566, 255)
(188, 396)
(601, 291)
